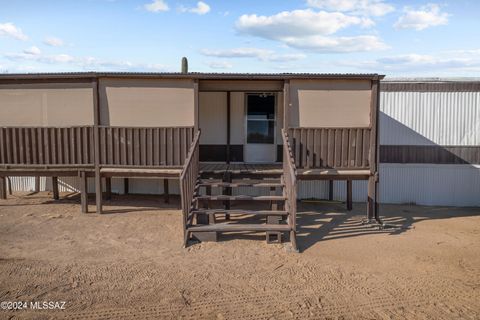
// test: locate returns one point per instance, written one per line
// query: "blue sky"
(397, 38)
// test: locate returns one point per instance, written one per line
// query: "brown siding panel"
(430, 154)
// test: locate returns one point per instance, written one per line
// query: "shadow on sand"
(316, 221)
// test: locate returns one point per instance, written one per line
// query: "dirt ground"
(129, 263)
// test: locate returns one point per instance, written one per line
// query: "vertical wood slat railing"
(188, 182)
(144, 146)
(290, 190)
(47, 146)
(339, 148)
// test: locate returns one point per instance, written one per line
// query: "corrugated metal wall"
(427, 118)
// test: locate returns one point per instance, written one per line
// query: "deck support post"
(227, 156)
(371, 198)
(56, 195)
(37, 185)
(3, 188)
(98, 192)
(202, 218)
(349, 195)
(227, 191)
(125, 185)
(83, 192)
(377, 206)
(108, 188)
(166, 194)
(330, 190)
(273, 236)
(96, 140)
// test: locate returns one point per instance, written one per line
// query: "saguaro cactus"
(184, 65)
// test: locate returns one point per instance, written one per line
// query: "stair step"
(239, 211)
(227, 227)
(241, 184)
(242, 197)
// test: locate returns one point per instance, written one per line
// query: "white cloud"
(357, 7)
(257, 53)
(297, 23)
(237, 53)
(337, 44)
(286, 57)
(33, 51)
(53, 41)
(8, 29)
(157, 6)
(447, 62)
(34, 54)
(201, 8)
(425, 17)
(220, 65)
(311, 30)
(66, 61)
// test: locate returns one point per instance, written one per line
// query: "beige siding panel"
(213, 117)
(48, 104)
(147, 103)
(330, 103)
(237, 118)
(240, 85)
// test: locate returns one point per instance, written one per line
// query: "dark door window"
(261, 118)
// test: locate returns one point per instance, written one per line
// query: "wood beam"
(108, 188)
(286, 104)
(96, 137)
(83, 192)
(56, 194)
(330, 190)
(37, 185)
(349, 195)
(125, 186)
(196, 99)
(371, 198)
(227, 156)
(3, 188)
(374, 110)
(166, 193)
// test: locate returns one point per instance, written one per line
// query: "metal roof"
(190, 75)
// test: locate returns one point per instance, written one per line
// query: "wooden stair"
(240, 211)
(203, 225)
(204, 183)
(230, 227)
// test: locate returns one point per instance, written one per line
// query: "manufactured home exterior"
(169, 125)
(413, 112)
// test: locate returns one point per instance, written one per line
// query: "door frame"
(245, 124)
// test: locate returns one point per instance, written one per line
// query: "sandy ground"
(130, 263)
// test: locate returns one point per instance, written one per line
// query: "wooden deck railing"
(290, 190)
(144, 146)
(339, 148)
(47, 146)
(188, 181)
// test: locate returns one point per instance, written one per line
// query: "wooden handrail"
(188, 180)
(144, 146)
(290, 181)
(334, 148)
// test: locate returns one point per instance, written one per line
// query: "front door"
(260, 128)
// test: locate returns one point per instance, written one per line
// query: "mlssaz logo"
(47, 305)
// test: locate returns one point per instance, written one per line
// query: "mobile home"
(228, 131)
